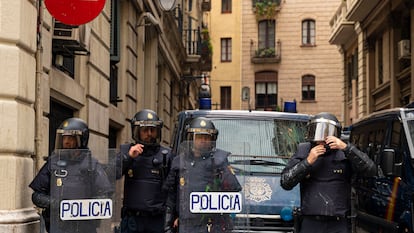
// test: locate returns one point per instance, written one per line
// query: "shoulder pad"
(303, 150)
(124, 148)
(220, 157)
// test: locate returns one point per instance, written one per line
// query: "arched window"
(308, 87)
(266, 90)
(308, 32)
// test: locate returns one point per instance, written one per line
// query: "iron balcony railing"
(191, 37)
(267, 54)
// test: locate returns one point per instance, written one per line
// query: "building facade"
(376, 41)
(133, 55)
(277, 51)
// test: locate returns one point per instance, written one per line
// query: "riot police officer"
(323, 166)
(198, 167)
(84, 177)
(145, 165)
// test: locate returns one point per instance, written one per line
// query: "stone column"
(17, 116)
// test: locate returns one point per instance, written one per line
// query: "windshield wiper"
(257, 162)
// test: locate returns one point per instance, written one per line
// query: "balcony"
(267, 2)
(360, 9)
(192, 41)
(342, 29)
(266, 55)
(265, 9)
(198, 48)
(196, 42)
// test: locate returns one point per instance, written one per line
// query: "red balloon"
(74, 12)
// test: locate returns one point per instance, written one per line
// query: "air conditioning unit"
(404, 49)
(206, 5)
(71, 38)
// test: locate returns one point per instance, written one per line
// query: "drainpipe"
(39, 71)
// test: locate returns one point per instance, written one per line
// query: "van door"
(381, 201)
(371, 138)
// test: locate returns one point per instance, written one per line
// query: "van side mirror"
(389, 165)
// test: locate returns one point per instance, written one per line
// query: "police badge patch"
(130, 173)
(257, 189)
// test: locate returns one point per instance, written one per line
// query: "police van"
(384, 203)
(268, 140)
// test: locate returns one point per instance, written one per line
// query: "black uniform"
(85, 178)
(144, 204)
(206, 173)
(325, 186)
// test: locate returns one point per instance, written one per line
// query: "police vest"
(75, 180)
(327, 188)
(143, 181)
(202, 174)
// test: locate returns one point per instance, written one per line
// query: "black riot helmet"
(76, 128)
(201, 125)
(322, 125)
(143, 120)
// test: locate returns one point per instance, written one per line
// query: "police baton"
(164, 163)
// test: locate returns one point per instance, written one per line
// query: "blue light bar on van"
(286, 213)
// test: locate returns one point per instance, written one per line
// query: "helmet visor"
(192, 132)
(148, 123)
(202, 144)
(320, 129)
(68, 139)
(147, 134)
(199, 135)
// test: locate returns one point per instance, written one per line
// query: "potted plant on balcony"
(206, 50)
(206, 46)
(266, 9)
(265, 52)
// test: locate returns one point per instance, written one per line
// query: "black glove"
(41, 200)
(169, 220)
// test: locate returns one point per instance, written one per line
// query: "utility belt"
(214, 221)
(141, 213)
(212, 224)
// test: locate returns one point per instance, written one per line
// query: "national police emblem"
(182, 181)
(257, 189)
(130, 173)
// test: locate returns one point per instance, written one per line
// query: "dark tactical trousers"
(142, 223)
(324, 224)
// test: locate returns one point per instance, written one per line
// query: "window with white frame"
(308, 87)
(226, 6)
(267, 34)
(308, 32)
(225, 49)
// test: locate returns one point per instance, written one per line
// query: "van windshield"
(268, 144)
